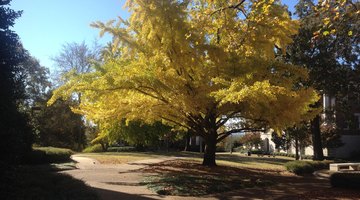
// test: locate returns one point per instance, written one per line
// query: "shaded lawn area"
(251, 177)
(186, 177)
(41, 182)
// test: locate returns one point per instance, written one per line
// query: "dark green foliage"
(58, 126)
(345, 180)
(279, 140)
(141, 135)
(45, 155)
(306, 167)
(332, 60)
(121, 149)
(300, 135)
(292, 155)
(16, 135)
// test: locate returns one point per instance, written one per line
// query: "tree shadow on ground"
(41, 182)
(190, 178)
(115, 195)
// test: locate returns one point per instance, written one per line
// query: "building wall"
(266, 138)
(351, 144)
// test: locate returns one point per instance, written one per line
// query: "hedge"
(121, 149)
(345, 180)
(292, 155)
(44, 155)
(306, 167)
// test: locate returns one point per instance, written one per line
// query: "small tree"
(58, 126)
(251, 140)
(300, 135)
(280, 140)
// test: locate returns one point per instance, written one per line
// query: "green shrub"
(291, 155)
(44, 155)
(345, 180)
(306, 167)
(257, 151)
(93, 149)
(121, 149)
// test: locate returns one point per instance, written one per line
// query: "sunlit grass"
(254, 162)
(233, 160)
(119, 158)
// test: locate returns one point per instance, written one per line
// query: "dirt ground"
(122, 181)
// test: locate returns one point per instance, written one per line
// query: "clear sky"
(48, 24)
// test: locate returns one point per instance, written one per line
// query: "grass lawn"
(187, 177)
(235, 172)
(234, 160)
(119, 158)
(253, 162)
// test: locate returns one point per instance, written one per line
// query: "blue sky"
(48, 24)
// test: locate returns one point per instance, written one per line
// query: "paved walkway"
(122, 181)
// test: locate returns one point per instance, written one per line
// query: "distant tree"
(15, 133)
(136, 133)
(331, 136)
(280, 140)
(36, 81)
(300, 136)
(58, 126)
(328, 46)
(251, 139)
(77, 58)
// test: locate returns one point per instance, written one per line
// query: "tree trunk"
(104, 146)
(210, 150)
(316, 138)
(187, 140)
(296, 149)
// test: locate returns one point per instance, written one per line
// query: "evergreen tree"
(16, 136)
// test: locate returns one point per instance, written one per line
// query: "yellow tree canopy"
(195, 64)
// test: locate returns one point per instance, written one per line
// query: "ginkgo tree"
(196, 64)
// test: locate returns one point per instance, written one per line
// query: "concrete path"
(120, 181)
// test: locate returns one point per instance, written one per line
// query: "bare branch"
(236, 6)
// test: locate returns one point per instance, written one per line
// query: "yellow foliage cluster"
(185, 62)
